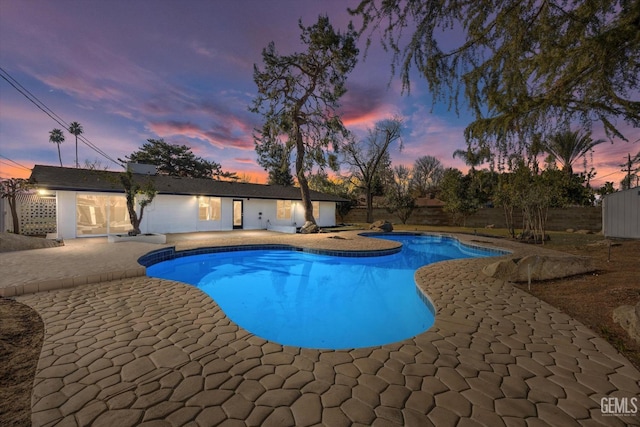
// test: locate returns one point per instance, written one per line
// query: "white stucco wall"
(256, 213)
(66, 214)
(171, 214)
(327, 217)
(179, 214)
(327, 214)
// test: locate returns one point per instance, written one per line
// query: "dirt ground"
(21, 334)
(589, 298)
(10, 242)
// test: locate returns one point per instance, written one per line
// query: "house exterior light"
(44, 193)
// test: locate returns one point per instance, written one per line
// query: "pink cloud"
(362, 107)
(245, 160)
(220, 137)
(213, 53)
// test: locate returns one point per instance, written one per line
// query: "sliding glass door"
(98, 215)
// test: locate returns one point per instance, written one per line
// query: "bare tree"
(366, 158)
(427, 174)
(399, 198)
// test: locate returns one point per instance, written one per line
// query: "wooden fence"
(559, 219)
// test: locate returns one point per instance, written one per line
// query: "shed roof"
(73, 179)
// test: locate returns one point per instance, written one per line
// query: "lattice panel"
(37, 214)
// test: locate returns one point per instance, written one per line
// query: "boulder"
(628, 316)
(501, 269)
(309, 228)
(385, 226)
(548, 267)
(539, 267)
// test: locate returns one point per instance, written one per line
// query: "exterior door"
(237, 214)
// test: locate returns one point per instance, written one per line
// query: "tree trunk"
(59, 155)
(14, 214)
(140, 219)
(306, 198)
(133, 215)
(369, 205)
(508, 216)
(302, 180)
(135, 221)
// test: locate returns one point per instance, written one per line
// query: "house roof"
(72, 179)
(429, 202)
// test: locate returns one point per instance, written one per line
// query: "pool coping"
(170, 253)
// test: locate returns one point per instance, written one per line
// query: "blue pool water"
(319, 301)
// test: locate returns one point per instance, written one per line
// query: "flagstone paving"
(144, 351)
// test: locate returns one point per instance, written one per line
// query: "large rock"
(628, 316)
(501, 269)
(385, 226)
(309, 228)
(539, 267)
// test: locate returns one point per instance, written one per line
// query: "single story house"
(92, 203)
(621, 214)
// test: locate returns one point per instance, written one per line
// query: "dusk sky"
(128, 71)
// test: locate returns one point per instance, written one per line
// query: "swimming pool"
(314, 300)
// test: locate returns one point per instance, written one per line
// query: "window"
(209, 209)
(284, 209)
(100, 215)
(316, 209)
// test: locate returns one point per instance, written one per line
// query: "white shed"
(621, 214)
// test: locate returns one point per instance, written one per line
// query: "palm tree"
(473, 158)
(567, 147)
(57, 137)
(75, 128)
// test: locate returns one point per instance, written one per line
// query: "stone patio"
(143, 351)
